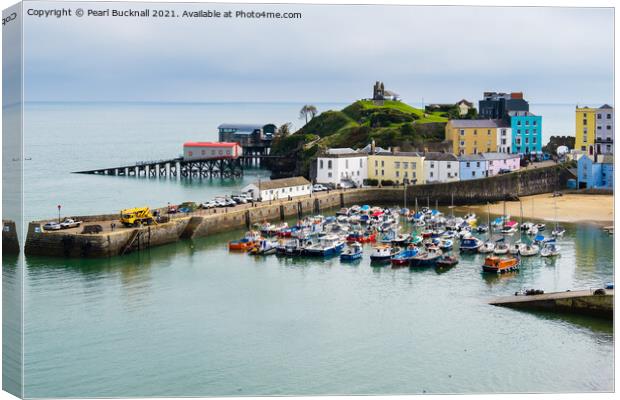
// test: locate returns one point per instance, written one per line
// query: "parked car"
(208, 204)
(347, 184)
(318, 188)
(230, 202)
(69, 223)
(173, 209)
(219, 202)
(239, 199)
(52, 226)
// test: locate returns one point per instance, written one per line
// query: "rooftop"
(499, 156)
(472, 157)
(210, 144)
(242, 127)
(340, 150)
(474, 123)
(342, 155)
(433, 156)
(281, 183)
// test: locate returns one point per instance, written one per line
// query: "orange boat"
(246, 243)
(500, 265)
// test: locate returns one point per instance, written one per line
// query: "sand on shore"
(586, 208)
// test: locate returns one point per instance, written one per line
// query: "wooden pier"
(594, 302)
(176, 167)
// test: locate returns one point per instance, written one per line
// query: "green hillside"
(391, 124)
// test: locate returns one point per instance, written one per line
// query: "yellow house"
(472, 136)
(585, 129)
(401, 167)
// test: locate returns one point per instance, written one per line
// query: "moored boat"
(247, 242)
(263, 248)
(550, 249)
(446, 261)
(383, 253)
(352, 252)
(500, 265)
(405, 256)
(428, 258)
(470, 244)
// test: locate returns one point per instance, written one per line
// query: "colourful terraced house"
(594, 130)
(399, 167)
(472, 136)
(526, 132)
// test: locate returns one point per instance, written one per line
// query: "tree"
(307, 110)
(284, 130)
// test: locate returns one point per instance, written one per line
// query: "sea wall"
(10, 241)
(207, 222)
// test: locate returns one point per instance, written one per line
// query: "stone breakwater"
(72, 243)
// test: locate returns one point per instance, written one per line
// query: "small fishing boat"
(550, 249)
(500, 247)
(470, 244)
(362, 237)
(263, 248)
(416, 240)
(352, 252)
(446, 244)
(401, 239)
(247, 242)
(482, 228)
(447, 261)
(528, 250)
(293, 247)
(532, 230)
(558, 231)
(388, 236)
(404, 257)
(328, 245)
(500, 265)
(487, 247)
(383, 253)
(509, 227)
(540, 227)
(515, 248)
(428, 258)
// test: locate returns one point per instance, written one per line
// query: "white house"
(441, 167)
(338, 169)
(278, 188)
(504, 139)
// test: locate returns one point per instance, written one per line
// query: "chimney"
(372, 147)
(516, 95)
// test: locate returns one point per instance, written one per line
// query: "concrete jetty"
(593, 302)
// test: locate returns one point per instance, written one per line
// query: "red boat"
(362, 238)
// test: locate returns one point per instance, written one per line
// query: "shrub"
(371, 182)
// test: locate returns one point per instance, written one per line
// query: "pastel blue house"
(473, 166)
(595, 173)
(526, 132)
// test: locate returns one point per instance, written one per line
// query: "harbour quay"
(121, 240)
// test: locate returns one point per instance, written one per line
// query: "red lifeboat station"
(193, 151)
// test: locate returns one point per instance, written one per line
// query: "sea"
(192, 319)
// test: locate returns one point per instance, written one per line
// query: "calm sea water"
(192, 319)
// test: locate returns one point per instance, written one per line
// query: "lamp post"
(59, 207)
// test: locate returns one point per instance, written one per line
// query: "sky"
(331, 54)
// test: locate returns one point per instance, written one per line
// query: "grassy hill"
(391, 124)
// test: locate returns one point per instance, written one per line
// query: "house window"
(518, 131)
(478, 164)
(329, 174)
(462, 132)
(462, 143)
(518, 123)
(320, 164)
(376, 163)
(608, 127)
(397, 164)
(599, 116)
(473, 173)
(475, 131)
(413, 165)
(535, 131)
(449, 165)
(406, 174)
(488, 132)
(527, 123)
(382, 172)
(382, 163)
(608, 116)
(503, 132)
(467, 164)
(432, 165)
(527, 140)
(329, 164)
(405, 165)
(534, 140)
(527, 131)
(534, 122)
(376, 172)
(397, 174)
(598, 127)
(431, 174)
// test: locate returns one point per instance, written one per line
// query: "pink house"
(501, 162)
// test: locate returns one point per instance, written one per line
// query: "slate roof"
(242, 127)
(499, 156)
(606, 107)
(440, 157)
(280, 183)
(474, 123)
(472, 157)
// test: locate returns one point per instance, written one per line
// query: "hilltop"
(392, 123)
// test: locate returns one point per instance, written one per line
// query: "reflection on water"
(12, 306)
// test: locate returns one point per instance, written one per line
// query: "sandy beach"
(586, 208)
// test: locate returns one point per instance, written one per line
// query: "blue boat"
(404, 257)
(446, 244)
(329, 245)
(470, 244)
(352, 252)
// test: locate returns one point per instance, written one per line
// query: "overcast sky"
(332, 54)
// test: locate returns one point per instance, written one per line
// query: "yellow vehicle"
(137, 216)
